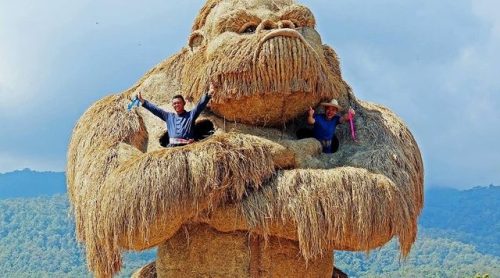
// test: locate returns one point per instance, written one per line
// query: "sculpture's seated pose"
(249, 200)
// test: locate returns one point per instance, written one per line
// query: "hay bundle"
(127, 192)
(144, 200)
(365, 194)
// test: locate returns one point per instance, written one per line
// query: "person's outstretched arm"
(202, 103)
(345, 118)
(158, 112)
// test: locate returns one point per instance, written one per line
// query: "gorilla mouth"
(288, 33)
(284, 62)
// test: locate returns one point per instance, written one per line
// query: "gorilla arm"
(113, 177)
(373, 193)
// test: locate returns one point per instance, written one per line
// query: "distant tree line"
(37, 239)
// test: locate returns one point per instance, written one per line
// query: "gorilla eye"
(250, 29)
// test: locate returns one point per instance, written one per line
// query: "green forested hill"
(37, 240)
(430, 257)
(470, 216)
(29, 183)
(459, 236)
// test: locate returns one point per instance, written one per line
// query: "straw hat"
(333, 103)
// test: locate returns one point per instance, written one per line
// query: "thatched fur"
(127, 192)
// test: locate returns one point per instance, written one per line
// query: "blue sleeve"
(316, 117)
(337, 119)
(200, 105)
(158, 112)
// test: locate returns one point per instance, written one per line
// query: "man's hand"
(310, 116)
(139, 96)
(213, 88)
(346, 115)
(310, 112)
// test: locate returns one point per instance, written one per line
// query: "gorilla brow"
(235, 20)
(299, 15)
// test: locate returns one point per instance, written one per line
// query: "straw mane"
(252, 175)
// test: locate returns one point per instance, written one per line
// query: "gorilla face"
(275, 52)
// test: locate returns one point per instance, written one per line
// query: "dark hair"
(181, 97)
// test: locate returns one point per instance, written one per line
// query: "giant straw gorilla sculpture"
(251, 191)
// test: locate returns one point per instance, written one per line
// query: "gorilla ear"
(196, 39)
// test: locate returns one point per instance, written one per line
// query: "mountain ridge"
(29, 183)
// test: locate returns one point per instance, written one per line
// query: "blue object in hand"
(135, 102)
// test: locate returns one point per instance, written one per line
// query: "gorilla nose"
(267, 25)
(281, 28)
(286, 24)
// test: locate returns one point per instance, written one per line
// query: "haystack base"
(198, 250)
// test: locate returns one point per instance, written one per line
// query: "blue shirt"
(179, 126)
(324, 130)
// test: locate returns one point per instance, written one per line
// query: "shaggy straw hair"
(356, 207)
(369, 192)
(127, 192)
(110, 199)
(289, 68)
(126, 199)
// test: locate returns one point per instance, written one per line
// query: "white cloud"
(436, 64)
(50, 48)
(27, 30)
(490, 11)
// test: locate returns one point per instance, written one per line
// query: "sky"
(435, 63)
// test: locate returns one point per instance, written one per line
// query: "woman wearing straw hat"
(326, 124)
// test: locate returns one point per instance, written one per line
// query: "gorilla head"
(260, 48)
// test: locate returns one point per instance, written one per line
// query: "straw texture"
(253, 175)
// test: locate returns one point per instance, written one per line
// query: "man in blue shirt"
(326, 124)
(179, 124)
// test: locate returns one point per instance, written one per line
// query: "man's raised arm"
(158, 112)
(205, 99)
